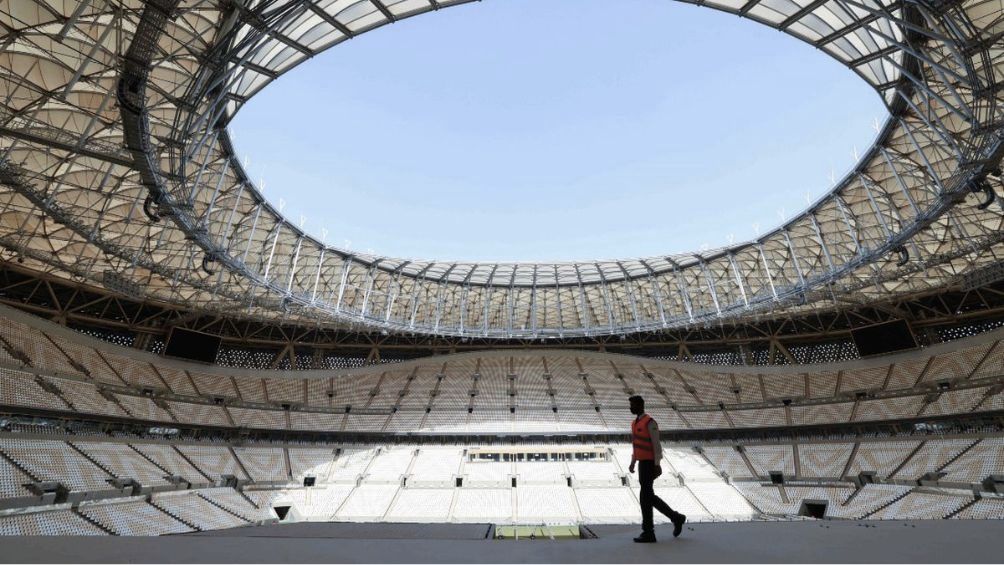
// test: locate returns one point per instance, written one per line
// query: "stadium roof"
(117, 168)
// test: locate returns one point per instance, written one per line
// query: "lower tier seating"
(529, 482)
(132, 517)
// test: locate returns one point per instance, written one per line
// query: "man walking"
(648, 455)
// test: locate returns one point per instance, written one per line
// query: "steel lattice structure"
(117, 168)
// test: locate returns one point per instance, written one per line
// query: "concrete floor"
(937, 541)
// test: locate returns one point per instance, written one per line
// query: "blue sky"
(539, 130)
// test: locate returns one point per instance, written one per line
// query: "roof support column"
(346, 267)
(292, 267)
(794, 259)
(193, 194)
(439, 306)
(533, 303)
(766, 268)
(681, 285)
(271, 253)
(628, 284)
(254, 227)
(878, 212)
(920, 152)
(585, 319)
(739, 279)
(226, 234)
(370, 276)
(216, 193)
(822, 241)
(317, 276)
(711, 285)
(851, 227)
(489, 291)
(899, 181)
(654, 283)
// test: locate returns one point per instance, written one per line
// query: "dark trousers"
(647, 497)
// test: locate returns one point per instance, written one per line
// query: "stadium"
(180, 360)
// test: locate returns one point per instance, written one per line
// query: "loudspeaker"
(883, 338)
(191, 345)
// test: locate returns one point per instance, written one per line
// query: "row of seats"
(594, 505)
(133, 518)
(90, 464)
(361, 483)
(924, 506)
(488, 384)
(61, 522)
(530, 503)
(962, 460)
(196, 511)
(38, 343)
(164, 513)
(217, 508)
(19, 388)
(872, 501)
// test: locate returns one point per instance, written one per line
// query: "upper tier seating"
(20, 389)
(143, 408)
(513, 392)
(49, 460)
(84, 397)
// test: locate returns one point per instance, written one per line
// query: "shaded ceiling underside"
(117, 169)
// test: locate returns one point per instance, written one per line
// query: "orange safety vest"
(641, 439)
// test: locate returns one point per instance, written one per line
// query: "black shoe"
(678, 525)
(645, 537)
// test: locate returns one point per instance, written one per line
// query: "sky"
(543, 130)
